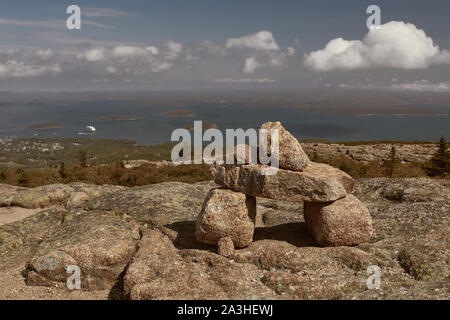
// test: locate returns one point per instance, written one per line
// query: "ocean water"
(152, 126)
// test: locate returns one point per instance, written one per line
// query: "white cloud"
(160, 66)
(211, 48)
(262, 40)
(52, 24)
(338, 54)
(251, 64)
(44, 54)
(422, 86)
(152, 50)
(190, 57)
(442, 58)
(174, 51)
(93, 55)
(15, 69)
(290, 51)
(271, 59)
(246, 80)
(112, 70)
(134, 60)
(394, 45)
(129, 51)
(103, 12)
(266, 52)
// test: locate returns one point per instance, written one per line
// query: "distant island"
(205, 126)
(180, 113)
(45, 126)
(118, 117)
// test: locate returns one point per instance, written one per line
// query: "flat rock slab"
(19, 238)
(404, 189)
(13, 214)
(157, 204)
(73, 195)
(7, 194)
(100, 243)
(317, 183)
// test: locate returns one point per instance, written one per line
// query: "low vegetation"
(114, 173)
(102, 162)
(41, 153)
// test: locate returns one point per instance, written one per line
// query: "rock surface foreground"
(409, 244)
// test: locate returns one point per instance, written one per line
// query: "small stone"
(243, 154)
(291, 154)
(225, 247)
(344, 222)
(77, 200)
(226, 213)
(171, 234)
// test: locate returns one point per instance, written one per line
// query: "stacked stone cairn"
(332, 214)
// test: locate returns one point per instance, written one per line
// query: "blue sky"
(188, 46)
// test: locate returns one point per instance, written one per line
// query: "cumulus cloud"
(394, 45)
(15, 69)
(246, 80)
(262, 40)
(174, 50)
(152, 50)
(272, 59)
(128, 51)
(136, 60)
(290, 51)
(251, 64)
(212, 49)
(93, 55)
(87, 62)
(44, 54)
(266, 52)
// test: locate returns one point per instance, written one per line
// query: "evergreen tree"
(440, 163)
(62, 171)
(22, 177)
(83, 159)
(392, 163)
(2, 174)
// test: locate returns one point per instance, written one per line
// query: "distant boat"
(90, 128)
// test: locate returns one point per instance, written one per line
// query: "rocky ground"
(372, 152)
(139, 243)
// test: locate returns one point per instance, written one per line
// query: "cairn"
(332, 214)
